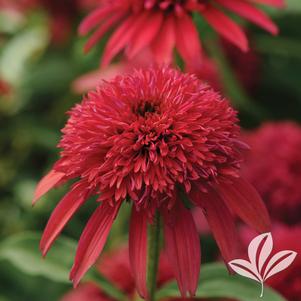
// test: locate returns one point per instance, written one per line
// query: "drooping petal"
(63, 212)
(96, 17)
(188, 41)
(103, 28)
(225, 27)
(244, 200)
(121, 37)
(221, 223)
(47, 183)
(138, 249)
(92, 240)
(149, 28)
(164, 43)
(183, 248)
(244, 9)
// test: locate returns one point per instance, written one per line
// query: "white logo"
(261, 265)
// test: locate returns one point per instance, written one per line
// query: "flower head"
(277, 177)
(154, 138)
(165, 25)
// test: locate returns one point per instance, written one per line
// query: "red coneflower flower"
(153, 137)
(278, 177)
(163, 25)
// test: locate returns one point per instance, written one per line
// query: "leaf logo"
(261, 266)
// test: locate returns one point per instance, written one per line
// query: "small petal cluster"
(153, 138)
(165, 25)
(278, 176)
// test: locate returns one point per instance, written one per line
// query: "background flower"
(277, 177)
(165, 25)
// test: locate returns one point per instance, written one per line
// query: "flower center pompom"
(141, 135)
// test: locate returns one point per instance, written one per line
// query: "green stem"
(262, 288)
(153, 256)
(106, 286)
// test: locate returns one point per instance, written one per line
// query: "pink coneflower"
(278, 176)
(163, 25)
(154, 138)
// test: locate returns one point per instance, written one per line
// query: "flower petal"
(188, 41)
(244, 9)
(138, 249)
(183, 248)
(47, 183)
(93, 19)
(63, 212)
(92, 240)
(164, 43)
(221, 223)
(225, 27)
(103, 28)
(244, 200)
(148, 30)
(121, 37)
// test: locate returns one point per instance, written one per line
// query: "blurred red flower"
(277, 177)
(288, 282)
(115, 266)
(4, 87)
(165, 25)
(155, 137)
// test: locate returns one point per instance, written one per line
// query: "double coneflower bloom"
(163, 25)
(161, 140)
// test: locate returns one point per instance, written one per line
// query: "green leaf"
(293, 6)
(280, 46)
(22, 250)
(215, 282)
(22, 48)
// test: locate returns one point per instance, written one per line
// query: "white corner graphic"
(261, 265)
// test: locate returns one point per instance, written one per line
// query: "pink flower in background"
(91, 80)
(163, 26)
(277, 177)
(18, 5)
(153, 137)
(288, 282)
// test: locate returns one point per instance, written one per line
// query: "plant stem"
(262, 287)
(106, 286)
(153, 256)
